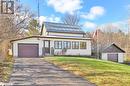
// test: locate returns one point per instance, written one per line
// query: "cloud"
(65, 6)
(42, 19)
(89, 25)
(119, 25)
(128, 6)
(51, 18)
(94, 12)
(122, 25)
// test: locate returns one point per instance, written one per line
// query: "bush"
(6, 68)
(8, 59)
(127, 59)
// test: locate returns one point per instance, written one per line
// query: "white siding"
(44, 33)
(28, 41)
(120, 57)
(104, 56)
(71, 51)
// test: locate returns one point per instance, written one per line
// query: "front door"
(47, 47)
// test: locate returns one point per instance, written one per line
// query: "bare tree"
(106, 35)
(71, 19)
(12, 26)
(33, 28)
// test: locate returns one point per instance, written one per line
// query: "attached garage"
(28, 50)
(27, 47)
(113, 53)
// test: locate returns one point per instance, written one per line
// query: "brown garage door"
(28, 50)
(113, 57)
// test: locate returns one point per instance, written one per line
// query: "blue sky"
(92, 13)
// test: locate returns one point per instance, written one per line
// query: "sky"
(92, 13)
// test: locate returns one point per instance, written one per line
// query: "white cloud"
(89, 25)
(42, 19)
(94, 12)
(122, 25)
(65, 6)
(119, 25)
(51, 18)
(127, 6)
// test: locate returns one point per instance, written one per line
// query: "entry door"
(47, 46)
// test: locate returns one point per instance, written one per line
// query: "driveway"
(37, 72)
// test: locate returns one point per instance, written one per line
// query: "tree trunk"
(4, 49)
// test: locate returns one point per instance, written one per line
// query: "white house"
(55, 39)
(113, 53)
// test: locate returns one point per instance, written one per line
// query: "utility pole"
(128, 36)
(98, 55)
(38, 11)
(128, 47)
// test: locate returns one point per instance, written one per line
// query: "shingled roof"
(113, 48)
(62, 28)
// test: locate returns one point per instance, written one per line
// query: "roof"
(97, 33)
(113, 48)
(54, 37)
(62, 28)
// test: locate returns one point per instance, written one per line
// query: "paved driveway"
(37, 72)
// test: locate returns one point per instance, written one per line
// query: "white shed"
(113, 53)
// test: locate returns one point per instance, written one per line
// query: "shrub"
(6, 68)
(8, 59)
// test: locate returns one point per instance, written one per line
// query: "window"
(75, 45)
(67, 44)
(58, 44)
(82, 45)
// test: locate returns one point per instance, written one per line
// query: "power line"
(38, 8)
(38, 12)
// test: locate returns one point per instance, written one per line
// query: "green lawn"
(102, 73)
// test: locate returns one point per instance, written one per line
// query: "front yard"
(102, 73)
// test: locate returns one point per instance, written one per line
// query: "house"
(98, 38)
(55, 39)
(113, 53)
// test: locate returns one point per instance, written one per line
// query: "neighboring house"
(113, 53)
(98, 39)
(55, 39)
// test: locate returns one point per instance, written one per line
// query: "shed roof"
(113, 48)
(63, 28)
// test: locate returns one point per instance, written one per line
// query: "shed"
(113, 53)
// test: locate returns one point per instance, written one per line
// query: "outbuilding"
(113, 53)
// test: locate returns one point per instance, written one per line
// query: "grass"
(6, 69)
(102, 73)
